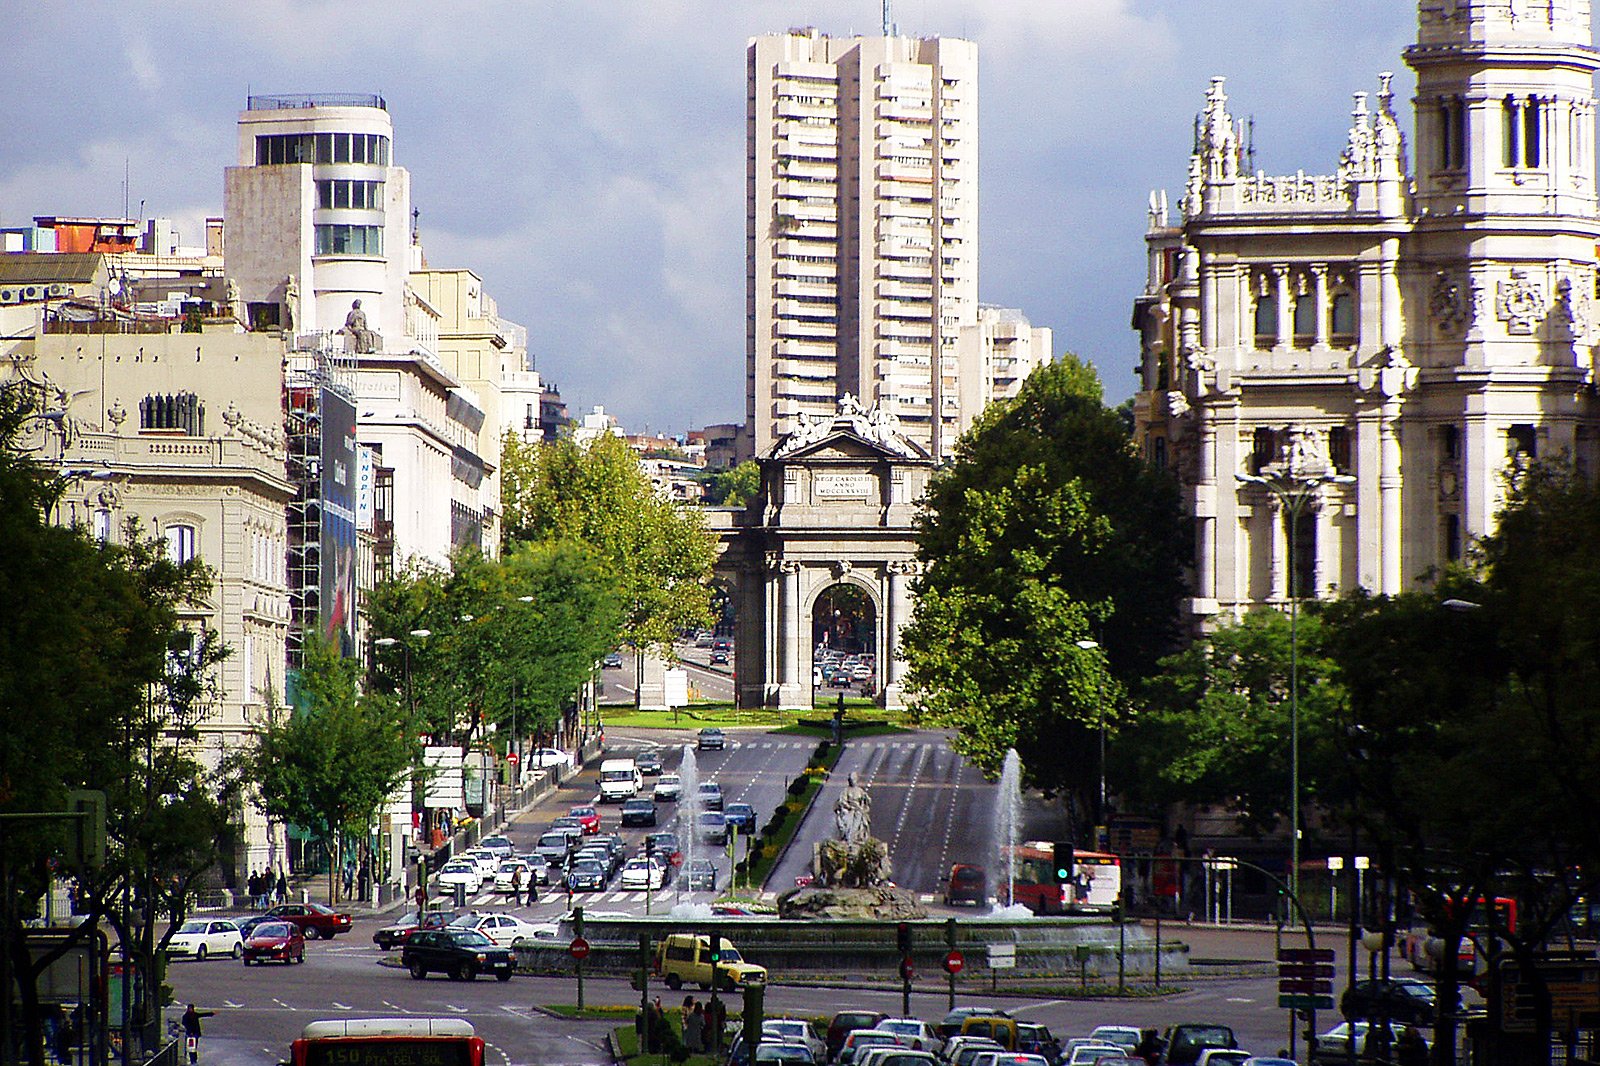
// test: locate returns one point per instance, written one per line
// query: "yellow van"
(683, 958)
(1002, 1031)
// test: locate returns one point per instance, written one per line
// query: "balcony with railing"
(294, 101)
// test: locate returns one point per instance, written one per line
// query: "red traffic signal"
(953, 962)
(907, 969)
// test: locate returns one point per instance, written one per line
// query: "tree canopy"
(1045, 531)
(596, 493)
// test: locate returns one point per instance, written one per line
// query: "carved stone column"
(897, 607)
(790, 651)
(1319, 274)
(1389, 484)
(1280, 278)
(1277, 550)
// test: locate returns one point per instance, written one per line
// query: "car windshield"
(710, 786)
(587, 866)
(901, 1027)
(583, 812)
(457, 868)
(317, 908)
(274, 929)
(712, 818)
(471, 938)
(553, 840)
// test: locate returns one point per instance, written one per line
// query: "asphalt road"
(260, 1009)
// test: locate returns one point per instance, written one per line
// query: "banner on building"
(337, 576)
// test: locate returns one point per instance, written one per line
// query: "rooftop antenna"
(888, 23)
(1250, 147)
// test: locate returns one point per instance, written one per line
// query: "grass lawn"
(699, 715)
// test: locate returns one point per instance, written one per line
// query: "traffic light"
(1116, 910)
(1062, 862)
(713, 947)
(902, 937)
(649, 847)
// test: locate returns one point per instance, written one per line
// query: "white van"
(620, 780)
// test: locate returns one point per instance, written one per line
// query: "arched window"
(1266, 321)
(180, 543)
(1342, 320)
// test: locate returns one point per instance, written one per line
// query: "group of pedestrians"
(701, 1024)
(264, 891)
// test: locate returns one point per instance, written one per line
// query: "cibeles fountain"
(851, 873)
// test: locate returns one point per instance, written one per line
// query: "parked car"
(711, 827)
(392, 936)
(587, 875)
(956, 1044)
(742, 815)
(710, 796)
(1036, 1039)
(775, 1053)
(711, 739)
(461, 953)
(1090, 1054)
(719, 658)
(461, 872)
(280, 941)
(247, 925)
(1217, 1056)
(588, 818)
(200, 937)
(1334, 1046)
(1128, 1037)
(505, 929)
(649, 763)
(846, 1022)
(612, 661)
(639, 812)
(541, 758)
(668, 788)
(951, 1024)
(315, 920)
(642, 873)
(702, 875)
(861, 1039)
(968, 884)
(514, 874)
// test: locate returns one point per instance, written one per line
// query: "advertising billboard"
(337, 577)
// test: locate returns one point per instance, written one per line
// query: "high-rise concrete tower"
(862, 228)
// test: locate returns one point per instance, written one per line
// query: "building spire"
(888, 21)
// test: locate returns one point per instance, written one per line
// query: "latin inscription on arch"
(843, 486)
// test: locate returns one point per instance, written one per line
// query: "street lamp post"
(1100, 711)
(1295, 484)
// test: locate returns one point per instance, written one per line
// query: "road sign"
(953, 962)
(1574, 987)
(1304, 986)
(1002, 956)
(579, 948)
(513, 758)
(1305, 1002)
(908, 969)
(1305, 970)
(1305, 954)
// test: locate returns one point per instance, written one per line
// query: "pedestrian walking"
(1411, 1049)
(516, 884)
(694, 1030)
(191, 1029)
(349, 879)
(533, 888)
(282, 892)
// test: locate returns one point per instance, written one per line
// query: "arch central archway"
(833, 523)
(844, 641)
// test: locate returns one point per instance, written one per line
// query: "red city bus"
(1096, 880)
(388, 1042)
(1414, 944)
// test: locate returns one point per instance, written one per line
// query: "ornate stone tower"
(1501, 262)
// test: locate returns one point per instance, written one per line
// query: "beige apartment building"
(862, 177)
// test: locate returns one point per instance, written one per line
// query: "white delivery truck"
(619, 780)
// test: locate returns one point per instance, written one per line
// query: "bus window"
(388, 1042)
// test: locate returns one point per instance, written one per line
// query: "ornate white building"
(1408, 325)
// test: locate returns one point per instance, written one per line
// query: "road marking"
(499, 1051)
(231, 1005)
(341, 1006)
(458, 1010)
(396, 1006)
(1231, 999)
(282, 1004)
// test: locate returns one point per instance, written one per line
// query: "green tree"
(330, 765)
(734, 487)
(101, 687)
(1045, 530)
(1214, 723)
(596, 493)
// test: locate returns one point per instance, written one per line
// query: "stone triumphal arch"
(837, 500)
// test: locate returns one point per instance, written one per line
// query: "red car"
(392, 936)
(315, 920)
(275, 941)
(587, 817)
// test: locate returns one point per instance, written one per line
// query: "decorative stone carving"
(904, 567)
(875, 425)
(118, 414)
(1520, 303)
(842, 567)
(1448, 303)
(1571, 309)
(360, 339)
(1177, 404)
(1306, 454)
(231, 417)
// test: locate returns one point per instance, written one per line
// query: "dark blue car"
(742, 815)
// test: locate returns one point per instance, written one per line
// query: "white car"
(1127, 1037)
(201, 937)
(668, 787)
(640, 874)
(485, 860)
(540, 758)
(461, 872)
(505, 929)
(500, 845)
(1086, 1054)
(503, 877)
(1214, 1056)
(914, 1033)
(795, 1031)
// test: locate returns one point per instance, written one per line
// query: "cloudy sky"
(586, 157)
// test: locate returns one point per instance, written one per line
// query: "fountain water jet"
(1007, 827)
(688, 811)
